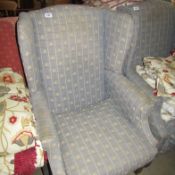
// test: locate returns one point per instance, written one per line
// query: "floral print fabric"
(17, 122)
(110, 4)
(159, 73)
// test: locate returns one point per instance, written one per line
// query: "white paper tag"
(136, 8)
(48, 15)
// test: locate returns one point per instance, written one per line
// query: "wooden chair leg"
(49, 169)
(42, 170)
(46, 170)
(138, 171)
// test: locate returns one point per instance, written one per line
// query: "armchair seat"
(99, 140)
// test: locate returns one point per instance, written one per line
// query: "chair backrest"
(66, 49)
(154, 34)
(62, 50)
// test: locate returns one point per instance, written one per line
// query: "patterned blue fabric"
(153, 35)
(117, 40)
(66, 51)
(46, 131)
(70, 55)
(30, 62)
(99, 141)
(132, 103)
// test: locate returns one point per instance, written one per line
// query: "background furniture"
(61, 2)
(154, 28)
(69, 67)
(14, 7)
(9, 54)
(25, 4)
(173, 2)
(154, 32)
(8, 7)
(19, 143)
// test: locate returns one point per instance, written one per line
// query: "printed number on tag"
(136, 8)
(48, 15)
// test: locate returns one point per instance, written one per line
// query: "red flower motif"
(18, 98)
(8, 79)
(155, 92)
(13, 119)
(173, 94)
(24, 99)
(172, 52)
(14, 97)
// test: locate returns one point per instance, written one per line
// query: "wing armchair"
(68, 53)
(154, 35)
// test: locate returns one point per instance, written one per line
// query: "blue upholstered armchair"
(153, 35)
(85, 106)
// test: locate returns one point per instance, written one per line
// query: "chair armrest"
(163, 131)
(45, 124)
(47, 132)
(136, 106)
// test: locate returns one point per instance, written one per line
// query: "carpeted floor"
(163, 164)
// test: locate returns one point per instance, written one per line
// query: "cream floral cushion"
(17, 122)
(159, 73)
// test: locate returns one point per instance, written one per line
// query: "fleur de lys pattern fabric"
(17, 122)
(99, 141)
(66, 51)
(159, 73)
(77, 76)
(152, 35)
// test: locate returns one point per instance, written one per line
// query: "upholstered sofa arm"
(136, 106)
(43, 116)
(47, 132)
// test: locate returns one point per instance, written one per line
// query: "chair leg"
(138, 171)
(42, 170)
(49, 169)
(46, 170)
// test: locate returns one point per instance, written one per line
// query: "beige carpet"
(163, 164)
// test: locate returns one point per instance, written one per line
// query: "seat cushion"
(99, 141)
